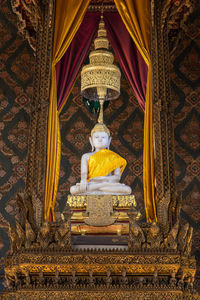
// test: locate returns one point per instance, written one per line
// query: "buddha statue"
(102, 168)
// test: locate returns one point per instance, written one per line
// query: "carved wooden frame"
(37, 144)
(163, 13)
(163, 131)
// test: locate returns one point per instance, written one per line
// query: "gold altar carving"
(120, 204)
(135, 264)
(44, 258)
(99, 210)
(113, 294)
(119, 201)
(92, 272)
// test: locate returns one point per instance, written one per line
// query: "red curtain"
(131, 61)
(68, 67)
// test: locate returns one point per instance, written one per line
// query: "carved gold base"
(121, 205)
(115, 229)
(117, 293)
(98, 274)
(99, 211)
(99, 261)
(119, 201)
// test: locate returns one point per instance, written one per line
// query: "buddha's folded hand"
(99, 179)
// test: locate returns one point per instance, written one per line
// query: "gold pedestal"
(99, 211)
(119, 201)
(117, 222)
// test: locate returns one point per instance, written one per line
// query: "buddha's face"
(100, 140)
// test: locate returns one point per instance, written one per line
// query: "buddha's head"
(100, 137)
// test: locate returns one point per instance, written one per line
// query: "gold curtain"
(69, 15)
(136, 16)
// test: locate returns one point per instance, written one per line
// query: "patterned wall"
(16, 77)
(125, 121)
(185, 85)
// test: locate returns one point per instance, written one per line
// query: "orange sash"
(104, 162)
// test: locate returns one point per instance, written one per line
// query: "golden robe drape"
(69, 15)
(104, 162)
(136, 16)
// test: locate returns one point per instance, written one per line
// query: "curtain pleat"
(68, 67)
(69, 15)
(131, 61)
(136, 17)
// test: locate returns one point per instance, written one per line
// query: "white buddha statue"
(102, 168)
